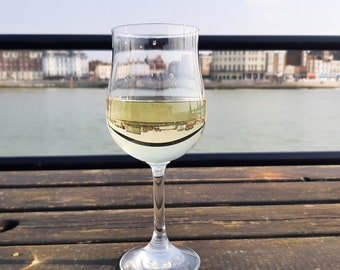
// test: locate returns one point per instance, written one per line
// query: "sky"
(212, 17)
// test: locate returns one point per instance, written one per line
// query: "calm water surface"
(72, 122)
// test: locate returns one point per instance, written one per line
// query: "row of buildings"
(254, 65)
(39, 65)
(217, 65)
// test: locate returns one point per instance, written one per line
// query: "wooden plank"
(182, 224)
(174, 175)
(37, 202)
(100, 197)
(246, 254)
(74, 177)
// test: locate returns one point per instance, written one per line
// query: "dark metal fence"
(103, 42)
(189, 160)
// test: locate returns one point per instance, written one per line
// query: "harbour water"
(52, 121)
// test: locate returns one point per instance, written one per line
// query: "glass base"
(169, 258)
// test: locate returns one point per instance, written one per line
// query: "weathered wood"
(235, 218)
(173, 176)
(117, 197)
(246, 254)
(182, 224)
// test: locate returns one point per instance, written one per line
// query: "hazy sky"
(225, 17)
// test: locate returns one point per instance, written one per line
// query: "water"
(38, 122)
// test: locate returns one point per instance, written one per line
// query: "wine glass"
(156, 113)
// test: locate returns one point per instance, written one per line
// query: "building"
(276, 63)
(102, 71)
(205, 64)
(335, 69)
(317, 68)
(238, 65)
(21, 65)
(64, 64)
(294, 58)
(322, 68)
(296, 64)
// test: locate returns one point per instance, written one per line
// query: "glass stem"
(159, 238)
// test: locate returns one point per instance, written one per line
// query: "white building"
(276, 63)
(133, 69)
(103, 71)
(335, 69)
(238, 65)
(60, 64)
(319, 68)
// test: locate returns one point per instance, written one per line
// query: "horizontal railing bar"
(206, 42)
(55, 42)
(189, 160)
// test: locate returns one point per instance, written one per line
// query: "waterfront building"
(21, 65)
(335, 69)
(317, 68)
(294, 58)
(296, 64)
(238, 65)
(102, 71)
(276, 63)
(63, 64)
(323, 64)
(205, 64)
(322, 68)
(321, 55)
(135, 69)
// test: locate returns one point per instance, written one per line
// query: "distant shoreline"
(271, 85)
(53, 84)
(228, 84)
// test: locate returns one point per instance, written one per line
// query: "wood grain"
(182, 224)
(245, 254)
(235, 218)
(173, 176)
(122, 197)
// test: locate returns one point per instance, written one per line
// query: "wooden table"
(236, 218)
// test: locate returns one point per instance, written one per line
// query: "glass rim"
(155, 29)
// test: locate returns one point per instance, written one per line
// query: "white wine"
(156, 130)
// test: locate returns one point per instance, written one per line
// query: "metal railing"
(103, 42)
